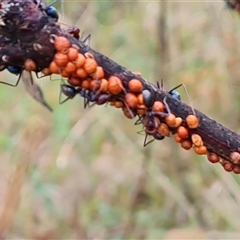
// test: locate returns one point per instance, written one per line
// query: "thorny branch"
(28, 31)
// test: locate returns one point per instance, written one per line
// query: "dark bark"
(34, 27)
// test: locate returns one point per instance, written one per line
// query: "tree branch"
(34, 38)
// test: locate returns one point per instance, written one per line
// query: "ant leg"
(60, 95)
(87, 39)
(63, 101)
(129, 110)
(139, 120)
(141, 131)
(145, 143)
(166, 105)
(68, 90)
(14, 85)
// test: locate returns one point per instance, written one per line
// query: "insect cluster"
(36, 43)
(86, 78)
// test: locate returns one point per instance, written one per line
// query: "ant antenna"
(145, 143)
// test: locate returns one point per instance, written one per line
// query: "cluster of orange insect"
(87, 78)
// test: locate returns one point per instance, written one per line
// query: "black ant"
(150, 119)
(89, 96)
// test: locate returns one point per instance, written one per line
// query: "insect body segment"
(175, 94)
(52, 12)
(14, 69)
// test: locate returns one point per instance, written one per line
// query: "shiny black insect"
(148, 97)
(14, 69)
(52, 12)
(75, 32)
(174, 93)
(70, 92)
(149, 119)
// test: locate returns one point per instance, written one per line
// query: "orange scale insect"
(138, 73)
(30, 65)
(228, 166)
(140, 99)
(81, 73)
(163, 129)
(158, 106)
(89, 55)
(135, 85)
(118, 104)
(95, 85)
(129, 113)
(170, 120)
(72, 54)
(46, 71)
(196, 140)
(104, 85)
(54, 68)
(70, 68)
(98, 74)
(212, 157)
(236, 170)
(65, 74)
(85, 84)
(178, 121)
(186, 144)
(192, 121)
(177, 138)
(74, 81)
(235, 157)
(79, 62)
(200, 150)
(115, 85)
(60, 59)
(131, 100)
(61, 44)
(141, 109)
(90, 65)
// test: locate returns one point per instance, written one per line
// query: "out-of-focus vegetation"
(83, 173)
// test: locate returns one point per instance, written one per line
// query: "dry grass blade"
(12, 195)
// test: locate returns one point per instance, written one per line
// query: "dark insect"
(150, 120)
(69, 91)
(14, 69)
(52, 12)
(148, 97)
(175, 94)
(75, 32)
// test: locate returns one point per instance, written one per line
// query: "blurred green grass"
(88, 174)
